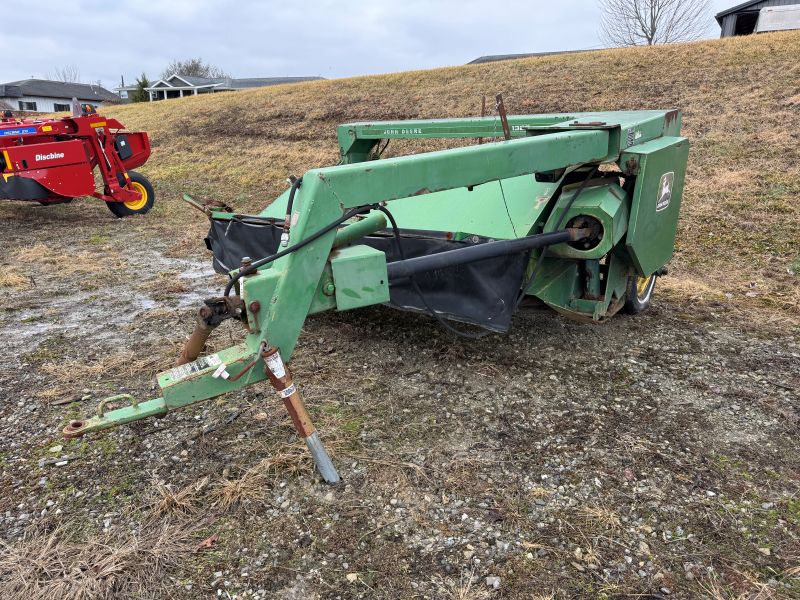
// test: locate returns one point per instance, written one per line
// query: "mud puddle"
(101, 317)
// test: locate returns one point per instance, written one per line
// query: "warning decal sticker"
(200, 364)
(665, 191)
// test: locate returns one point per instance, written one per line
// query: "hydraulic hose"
(287, 222)
(414, 284)
(313, 237)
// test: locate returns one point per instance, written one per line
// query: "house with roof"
(759, 16)
(43, 95)
(178, 86)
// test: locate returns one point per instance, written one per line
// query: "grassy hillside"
(741, 104)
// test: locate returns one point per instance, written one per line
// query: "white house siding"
(45, 105)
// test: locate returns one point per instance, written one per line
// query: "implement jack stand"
(281, 379)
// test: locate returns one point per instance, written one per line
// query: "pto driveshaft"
(461, 256)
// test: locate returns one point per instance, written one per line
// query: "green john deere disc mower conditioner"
(578, 211)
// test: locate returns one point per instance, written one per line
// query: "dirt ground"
(651, 457)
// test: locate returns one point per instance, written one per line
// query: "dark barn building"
(743, 18)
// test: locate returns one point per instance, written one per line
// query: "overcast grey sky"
(329, 38)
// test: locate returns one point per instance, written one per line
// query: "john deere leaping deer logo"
(665, 190)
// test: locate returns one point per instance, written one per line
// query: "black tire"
(51, 202)
(126, 209)
(639, 294)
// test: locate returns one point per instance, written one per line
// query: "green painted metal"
(357, 140)
(432, 191)
(359, 277)
(194, 382)
(654, 217)
(325, 294)
(498, 209)
(499, 190)
(607, 203)
(127, 414)
(375, 221)
(559, 285)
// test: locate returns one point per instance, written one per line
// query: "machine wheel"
(639, 294)
(137, 207)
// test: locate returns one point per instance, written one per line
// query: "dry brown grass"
(468, 587)
(747, 587)
(54, 566)
(31, 253)
(66, 376)
(184, 501)
(250, 489)
(600, 517)
(96, 265)
(738, 96)
(10, 277)
(167, 283)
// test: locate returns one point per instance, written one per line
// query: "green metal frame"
(472, 183)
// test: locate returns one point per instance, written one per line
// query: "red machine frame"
(53, 160)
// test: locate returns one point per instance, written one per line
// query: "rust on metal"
(252, 325)
(206, 206)
(588, 124)
(501, 110)
(196, 342)
(246, 368)
(483, 113)
(284, 385)
(632, 166)
(670, 117)
(74, 429)
(299, 414)
(583, 233)
(213, 312)
(246, 263)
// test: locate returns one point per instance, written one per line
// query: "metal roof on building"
(497, 57)
(45, 88)
(734, 9)
(228, 83)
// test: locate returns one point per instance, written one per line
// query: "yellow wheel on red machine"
(135, 207)
(639, 294)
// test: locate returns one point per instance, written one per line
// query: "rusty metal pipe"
(501, 110)
(197, 341)
(281, 379)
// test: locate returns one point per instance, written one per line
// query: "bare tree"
(67, 74)
(194, 67)
(648, 22)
